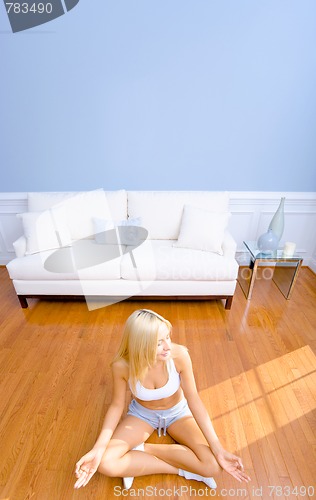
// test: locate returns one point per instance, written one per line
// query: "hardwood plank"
(255, 369)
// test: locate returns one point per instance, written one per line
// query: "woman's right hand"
(87, 466)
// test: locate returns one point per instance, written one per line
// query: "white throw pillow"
(44, 230)
(128, 233)
(202, 230)
(59, 218)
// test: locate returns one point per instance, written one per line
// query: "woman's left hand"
(232, 465)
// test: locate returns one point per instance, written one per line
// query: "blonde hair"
(139, 343)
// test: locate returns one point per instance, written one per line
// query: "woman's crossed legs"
(191, 452)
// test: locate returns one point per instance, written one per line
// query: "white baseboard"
(251, 215)
(312, 265)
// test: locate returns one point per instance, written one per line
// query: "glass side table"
(284, 274)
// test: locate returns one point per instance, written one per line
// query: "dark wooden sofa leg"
(23, 301)
(228, 303)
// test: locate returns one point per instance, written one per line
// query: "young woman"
(160, 377)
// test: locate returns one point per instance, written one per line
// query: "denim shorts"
(159, 419)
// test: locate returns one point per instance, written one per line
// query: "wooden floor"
(255, 371)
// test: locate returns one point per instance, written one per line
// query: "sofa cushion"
(161, 211)
(45, 230)
(202, 230)
(160, 260)
(92, 261)
(126, 232)
(81, 207)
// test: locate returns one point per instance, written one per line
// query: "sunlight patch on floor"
(267, 397)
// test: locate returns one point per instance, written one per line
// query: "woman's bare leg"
(119, 460)
(191, 453)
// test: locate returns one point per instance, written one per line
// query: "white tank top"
(165, 391)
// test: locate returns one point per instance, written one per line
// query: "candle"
(289, 249)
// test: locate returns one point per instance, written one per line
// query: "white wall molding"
(10, 226)
(253, 211)
(251, 215)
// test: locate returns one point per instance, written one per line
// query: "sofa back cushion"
(161, 211)
(81, 207)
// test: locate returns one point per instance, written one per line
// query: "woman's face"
(164, 343)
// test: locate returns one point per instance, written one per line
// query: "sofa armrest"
(229, 245)
(19, 246)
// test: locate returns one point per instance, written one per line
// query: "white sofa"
(175, 244)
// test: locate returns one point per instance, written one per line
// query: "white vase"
(268, 242)
(277, 223)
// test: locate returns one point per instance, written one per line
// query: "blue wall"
(161, 94)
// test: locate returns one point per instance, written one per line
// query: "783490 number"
(286, 491)
(25, 8)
